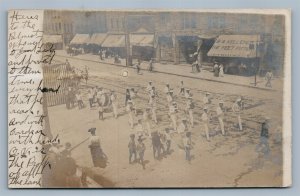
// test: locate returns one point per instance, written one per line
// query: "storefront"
(240, 54)
(188, 45)
(164, 48)
(78, 44)
(95, 42)
(142, 46)
(115, 44)
(54, 41)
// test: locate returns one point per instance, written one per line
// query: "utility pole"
(127, 42)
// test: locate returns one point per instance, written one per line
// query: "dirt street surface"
(230, 160)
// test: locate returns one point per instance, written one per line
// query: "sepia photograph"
(154, 99)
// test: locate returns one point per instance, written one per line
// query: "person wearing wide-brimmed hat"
(98, 156)
(220, 115)
(237, 109)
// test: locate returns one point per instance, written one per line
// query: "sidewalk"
(185, 71)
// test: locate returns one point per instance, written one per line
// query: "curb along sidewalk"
(184, 70)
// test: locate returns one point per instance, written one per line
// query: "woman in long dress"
(98, 156)
(221, 70)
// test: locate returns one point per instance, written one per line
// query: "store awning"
(97, 38)
(243, 46)
(114, 41)
(80, 39)
(141, 39)
(54, 39)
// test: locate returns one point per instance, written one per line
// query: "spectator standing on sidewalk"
(101, 55)
(138, 66)
(221, 70)
(216, 69)
(269, 77)
(150, 68)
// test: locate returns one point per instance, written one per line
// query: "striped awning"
(114, 41)
(243, 46)
(54, 39)
(80, 39)
(97, 38)
(142, 39)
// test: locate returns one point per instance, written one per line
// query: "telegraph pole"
(127, 42)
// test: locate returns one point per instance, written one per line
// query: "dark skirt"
(98, 157)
